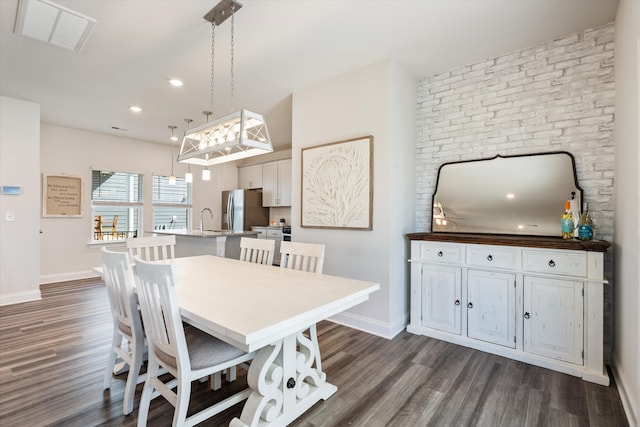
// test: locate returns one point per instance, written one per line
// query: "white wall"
(627, 207)
(377, 100)
(65, 250)
(19, 166)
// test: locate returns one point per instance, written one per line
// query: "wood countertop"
(509, 240)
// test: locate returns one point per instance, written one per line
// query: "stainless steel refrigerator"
(243, 208)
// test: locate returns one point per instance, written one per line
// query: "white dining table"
(266, 309)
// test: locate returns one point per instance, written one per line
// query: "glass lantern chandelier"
(235, 136)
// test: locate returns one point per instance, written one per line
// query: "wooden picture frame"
(61, 196)
(337, 185)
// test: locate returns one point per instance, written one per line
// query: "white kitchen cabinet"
(276, 183)
(537, 300)
(260, 231)
(553, 318)
(491, 307)
(441, 300)
(250, 177)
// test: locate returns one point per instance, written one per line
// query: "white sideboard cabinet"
(534, 299)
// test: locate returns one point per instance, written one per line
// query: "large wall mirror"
(520, 195)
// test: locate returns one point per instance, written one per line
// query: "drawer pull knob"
(490, 258)
(470, 305)
(457, 302)
(527, 315)
(552, 263)
(440, 253)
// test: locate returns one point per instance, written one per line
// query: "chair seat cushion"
(206, 350)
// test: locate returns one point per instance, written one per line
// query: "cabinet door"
(553, 318)
(491, 307)
(250, 177)
(441, 289)
(284, 182)
(269, 184)
(276, 183)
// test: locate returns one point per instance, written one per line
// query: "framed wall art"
(61, 196)
(337, 185)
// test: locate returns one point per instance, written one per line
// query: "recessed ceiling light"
(511, 196)
(175, 82)
(135, 109)
(521, 227)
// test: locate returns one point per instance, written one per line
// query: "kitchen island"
(208, 242)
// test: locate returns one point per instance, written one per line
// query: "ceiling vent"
(54, 24)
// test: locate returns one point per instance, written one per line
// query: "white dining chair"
(188, 354)
(259, 251)
(152, 248)
(305, 257)
(302, 256)
(128, 334)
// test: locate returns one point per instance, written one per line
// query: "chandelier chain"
(232, 56)
(213, 55)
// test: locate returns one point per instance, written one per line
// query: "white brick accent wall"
(558, 96)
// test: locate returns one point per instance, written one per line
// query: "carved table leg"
(284, 383)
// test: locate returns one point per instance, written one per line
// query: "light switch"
(9, 216)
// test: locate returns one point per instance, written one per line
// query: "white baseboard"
(74, 275)
(629, 404)
(18, 297)
(366, 324)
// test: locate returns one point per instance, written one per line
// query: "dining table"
(266, 309)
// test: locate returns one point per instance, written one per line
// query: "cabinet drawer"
(492, 256)
(274, 234)
(441, 252)
(261, 231)
(572, 263)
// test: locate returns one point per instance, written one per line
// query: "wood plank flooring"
(52, 356)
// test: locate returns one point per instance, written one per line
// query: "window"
(171, 204)
(116, 205)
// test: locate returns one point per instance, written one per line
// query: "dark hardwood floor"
(52, 356)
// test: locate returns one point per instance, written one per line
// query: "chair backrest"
(161, 314)
(302, 256)
(119, 279)
(152, 248)
(258, 251)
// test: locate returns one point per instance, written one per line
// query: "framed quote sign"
(61, 196)
(337, 185)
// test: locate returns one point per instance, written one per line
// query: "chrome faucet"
(201, 212)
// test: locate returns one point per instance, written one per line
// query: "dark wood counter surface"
(508, 240)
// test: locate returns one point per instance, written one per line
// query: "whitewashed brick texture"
(557, 96)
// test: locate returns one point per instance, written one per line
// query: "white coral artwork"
(336, 187)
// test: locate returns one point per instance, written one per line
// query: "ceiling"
(281, 46)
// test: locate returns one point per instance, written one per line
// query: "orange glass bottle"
(567, 221)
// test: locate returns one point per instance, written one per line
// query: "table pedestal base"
(285, 382)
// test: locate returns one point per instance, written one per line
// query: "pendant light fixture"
(188, 177)
(206, 174)
(235, 136)
(172, 177)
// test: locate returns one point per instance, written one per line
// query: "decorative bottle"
(567, 221)
(575, 211)
(585, 225)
